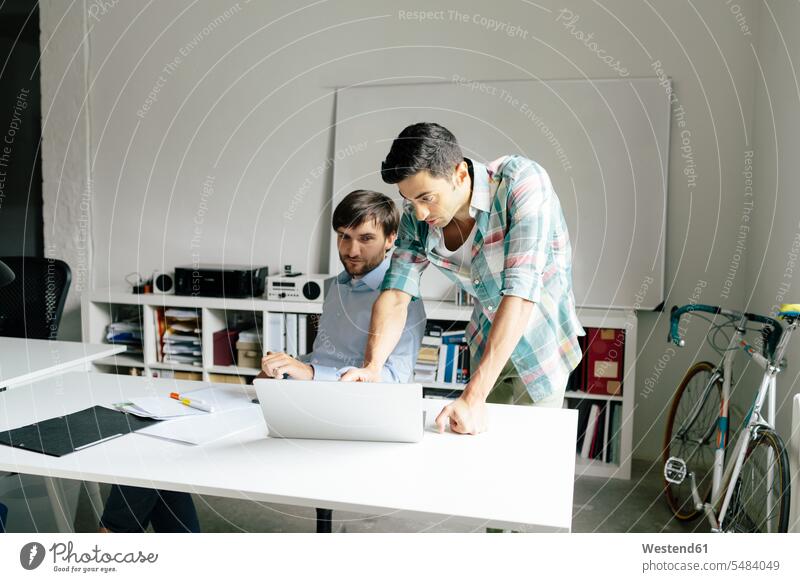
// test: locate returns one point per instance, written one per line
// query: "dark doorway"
(20, 130)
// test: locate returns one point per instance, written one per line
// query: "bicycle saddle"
(789, 310)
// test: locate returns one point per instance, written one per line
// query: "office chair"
(6, 277)
(31, 304)
(32, 295)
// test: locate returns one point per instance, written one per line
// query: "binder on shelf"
(599, 433)
(604, 361)
(276, 333)
(442, 363)
(291, 334)
(613, 444)
(589, 433)
(225, 347)
(602, 451)
(302, 334)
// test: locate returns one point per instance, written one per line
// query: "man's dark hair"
(363, 205)
(422, 147)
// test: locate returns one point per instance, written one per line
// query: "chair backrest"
(31, 306)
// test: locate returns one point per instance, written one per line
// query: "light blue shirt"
(344, 326)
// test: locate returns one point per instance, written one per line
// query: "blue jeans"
(132, 509)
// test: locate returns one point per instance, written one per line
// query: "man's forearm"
(388, 321)
(507, 328)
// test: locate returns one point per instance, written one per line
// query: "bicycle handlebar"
(770, 342)
(675, 317)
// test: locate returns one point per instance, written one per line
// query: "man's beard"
(361, 268)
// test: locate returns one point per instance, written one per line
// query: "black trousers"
(324, 518)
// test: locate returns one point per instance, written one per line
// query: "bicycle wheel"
(690, 432)
(750, 509)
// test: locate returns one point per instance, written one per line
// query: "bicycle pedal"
(675, 470)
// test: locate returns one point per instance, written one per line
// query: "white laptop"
(354, 411)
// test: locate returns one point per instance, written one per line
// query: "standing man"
(498, 232)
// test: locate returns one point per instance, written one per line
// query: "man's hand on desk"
(276, 364)
(362, 375)
(464, 417)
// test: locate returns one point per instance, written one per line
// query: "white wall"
(241, 124)
(773, 267)
(66, 209)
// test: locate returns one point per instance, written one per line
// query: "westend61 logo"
(65, 559)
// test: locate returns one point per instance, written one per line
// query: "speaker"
(163, 283)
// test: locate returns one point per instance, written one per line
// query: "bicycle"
(750, 493)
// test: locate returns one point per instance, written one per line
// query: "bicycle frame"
(767, 389)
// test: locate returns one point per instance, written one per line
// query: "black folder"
(66, 434)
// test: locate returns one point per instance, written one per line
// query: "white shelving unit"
(98, 309)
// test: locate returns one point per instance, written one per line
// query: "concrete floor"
(599, 505)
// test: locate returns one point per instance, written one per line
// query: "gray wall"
(224, 162)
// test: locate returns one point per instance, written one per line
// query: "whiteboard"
(604, 144)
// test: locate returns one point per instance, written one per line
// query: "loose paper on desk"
(201, 430)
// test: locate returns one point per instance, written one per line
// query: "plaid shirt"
(521, 248)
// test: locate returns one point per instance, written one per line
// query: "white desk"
(519, 473)
(26, 360)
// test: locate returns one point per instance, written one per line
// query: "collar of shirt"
(481, 193)
(369, 282)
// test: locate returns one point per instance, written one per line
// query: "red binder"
(224, 347)
(604, 361)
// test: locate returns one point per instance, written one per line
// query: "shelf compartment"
(233, 370)
(578, 395)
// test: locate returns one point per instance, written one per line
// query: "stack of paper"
(427, 359)
(181, 342)
(157, 407)
(127, 332)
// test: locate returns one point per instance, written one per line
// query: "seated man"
(366, 225)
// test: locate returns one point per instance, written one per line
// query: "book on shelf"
(443, 357)
(599, 424)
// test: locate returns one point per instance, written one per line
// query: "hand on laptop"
(362, 375)
(276, 364)
(464, 417)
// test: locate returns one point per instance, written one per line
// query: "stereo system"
(299, 287)
(207, 280)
